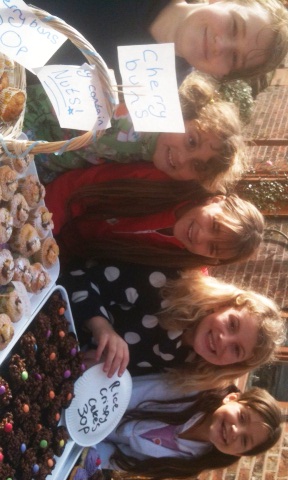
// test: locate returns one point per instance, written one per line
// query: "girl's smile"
(221, 337)
(236, 428)
(183, 156)
(222, 38)
(200, 232)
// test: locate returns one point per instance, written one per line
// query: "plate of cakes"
(36, 386)
(29, 264)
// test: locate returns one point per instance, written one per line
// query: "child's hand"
(114, 349)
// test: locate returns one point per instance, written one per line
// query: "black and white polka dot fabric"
(129, 297)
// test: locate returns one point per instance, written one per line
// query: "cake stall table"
(14, 144)
(65, 462)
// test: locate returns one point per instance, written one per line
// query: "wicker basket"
(10, 132)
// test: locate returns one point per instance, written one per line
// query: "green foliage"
(268, 195)
(240, 93)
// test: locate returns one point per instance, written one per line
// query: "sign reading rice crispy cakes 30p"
(98, 405)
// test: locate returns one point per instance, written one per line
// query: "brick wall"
(267, 271)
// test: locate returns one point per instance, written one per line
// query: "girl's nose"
(234, 432)
(222, 45)
(182, 158)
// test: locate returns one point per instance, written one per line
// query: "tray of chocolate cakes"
(36, 386)
(29, 264)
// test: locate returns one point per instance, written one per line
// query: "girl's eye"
(215, 226)
(199, 166)
(244, 442)
(235, 28)
(234, 60)
(236, 350)
(192, 142)
(232, 324)
(242, 417)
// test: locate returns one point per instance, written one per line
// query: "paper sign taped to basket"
(24, 37)
(150, 87)
(98, 405)
(76, 95)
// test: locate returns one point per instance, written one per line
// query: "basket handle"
(20, 147)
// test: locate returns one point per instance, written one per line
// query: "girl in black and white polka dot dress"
(151, 319)
(130, 300)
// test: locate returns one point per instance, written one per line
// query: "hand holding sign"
(150, 87)
(98, 405)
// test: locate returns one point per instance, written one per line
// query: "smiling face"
(236, 428)
(221, 337)
(183, 156)
(222, 38)
(200, 230)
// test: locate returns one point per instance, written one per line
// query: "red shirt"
(58, 191)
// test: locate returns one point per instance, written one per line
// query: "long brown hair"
(136, 198)
(207, 402)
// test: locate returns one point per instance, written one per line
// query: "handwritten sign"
(97, 410)
(76, 95)
(24, 38)
(150, 87)
(98, 405)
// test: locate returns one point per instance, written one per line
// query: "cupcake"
(48, 461)
(52, 413)
(22, 271)
(48, 358)
(60, 438)
(8, 63)
(6, 471)
(8, 182)
(25, 241)
(6, 330)
(47, 394)
(40, 279)
(30, 466)
(26, 414)
(66, 393)
(19, 164)
(5, 393)
(42, 329)
(56, 307)
(15, 446)
(17, 371)
(28, 348)
(14, 301)
(19, 209)
(12, 102)
(4, 81)
(48, 253)
(33, 385)
(6, 267)
(32, 190)
(6, 425)
(41, 441)
(41, 219)
(6, 225)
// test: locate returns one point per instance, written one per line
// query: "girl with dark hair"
(162, 436)
(136, 213)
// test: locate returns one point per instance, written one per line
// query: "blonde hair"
(201, 102)
(279, 47)
(192, 297)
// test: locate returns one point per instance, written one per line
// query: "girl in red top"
(138, 214)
